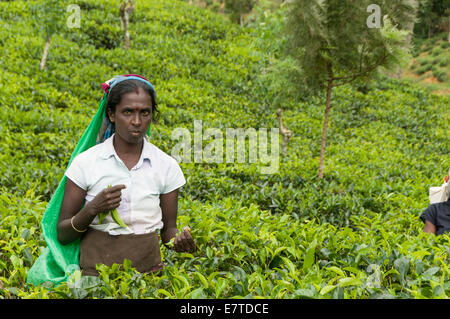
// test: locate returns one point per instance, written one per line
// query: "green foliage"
(433, 55)
(354, 234)
(280, 79)
(332, 42)
(49, 16)
(432, 16)
(237, 8)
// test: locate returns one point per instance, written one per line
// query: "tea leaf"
(327, 289)
(309, 258)
(349, 281)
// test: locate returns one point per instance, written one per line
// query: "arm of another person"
(169, 208)
(429, 217)
(429, 227)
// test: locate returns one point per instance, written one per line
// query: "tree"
(126, 8)
(335, 44)
(433, 17)
(237, 9)
(447, 23)
(50, 16)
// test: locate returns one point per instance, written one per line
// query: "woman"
(125, 172)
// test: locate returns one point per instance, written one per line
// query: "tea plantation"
(354, 234)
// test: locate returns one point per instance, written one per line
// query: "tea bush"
(432, 55)
(354, 234)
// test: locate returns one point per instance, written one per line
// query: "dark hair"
(127, 86)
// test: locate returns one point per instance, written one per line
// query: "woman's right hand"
(107, 200)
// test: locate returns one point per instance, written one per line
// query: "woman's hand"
(73, 214)
(184, 241)
(107, 200)
(180, 242)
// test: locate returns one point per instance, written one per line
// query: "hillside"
(430, 65)
(354, 234)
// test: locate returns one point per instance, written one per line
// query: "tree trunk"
(325, 128)
(45, 54)
(125, 10)
(285, 133)
(410, 28)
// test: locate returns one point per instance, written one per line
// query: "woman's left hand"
(184, 241)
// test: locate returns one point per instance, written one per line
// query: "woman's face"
(132, 116)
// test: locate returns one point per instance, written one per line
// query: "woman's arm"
(71, 206)
(169, 208)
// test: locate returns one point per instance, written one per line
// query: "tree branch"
(348, 79)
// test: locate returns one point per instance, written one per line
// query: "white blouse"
(155, 173)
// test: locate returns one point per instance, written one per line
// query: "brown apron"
(98, 247)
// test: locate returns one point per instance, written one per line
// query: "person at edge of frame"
(437, 217)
